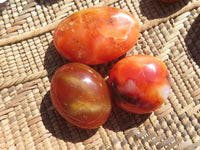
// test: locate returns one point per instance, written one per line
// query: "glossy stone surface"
(81, 95)
(139, 84)
(96, 35)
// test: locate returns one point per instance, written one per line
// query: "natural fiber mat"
(28, 60)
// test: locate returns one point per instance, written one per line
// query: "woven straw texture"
(28, 59)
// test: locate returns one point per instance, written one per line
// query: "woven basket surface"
(28, 60)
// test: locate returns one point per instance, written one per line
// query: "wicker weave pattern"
(28, 59)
